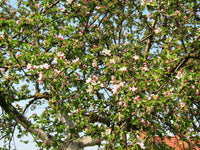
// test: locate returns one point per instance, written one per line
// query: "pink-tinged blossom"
(90, 89)
(46, 66)
(84, 66)
(95, 77)
(93, 82)
(2, 70)
(28, 20)
(94, 63)
(60, 38)
(35, 67)
(165, 93)
(182, 104)
(88, 80)
(37, 5)
(97, 7)
(145, 69)
(136, 57)
(18, 22)
(17, 55)
(122, 84)
(177, 13)
(113, 80)
(116, 87)
(193, 86)
(40, 76)
(120, 103)
(137, 98)
(29, 66)
(149, 15)
(123, 69)
(56, 71)
(61, 55)
(158, 30)
(106, 52)
(179, 75)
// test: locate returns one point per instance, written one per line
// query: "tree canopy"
(106, 70)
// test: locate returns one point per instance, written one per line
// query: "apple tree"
(105, 70)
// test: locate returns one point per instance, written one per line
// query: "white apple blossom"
(182, 104)
(88, 80)
(46, 66)
(56, 71)
(55, 60)
(40, 76)
(61, 55)
(29, 66)
(94, 63)
(112, 61)
(113, 80)
(179, 75)
(76, 60)
(123, 69)
(132, 89)
(115, 88)
(136, 57)
(107, 52)
(93, 82)
(122, 84)
(145, 68)
(158, 30)
(90, 88)
(68, 2)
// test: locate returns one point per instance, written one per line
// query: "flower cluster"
(43, 66)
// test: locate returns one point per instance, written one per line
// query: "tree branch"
(179, 65)
(35, 97)
(19, 118)
(89, 141)
(67, 122)
(149, 41)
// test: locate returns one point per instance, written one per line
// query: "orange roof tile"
(173, 141)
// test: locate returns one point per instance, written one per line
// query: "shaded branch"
(149, 41)
(35, 97)
(179, 65)
(19, 118)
